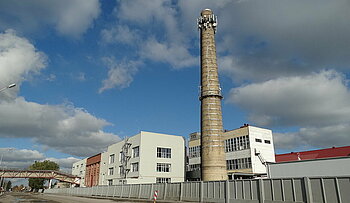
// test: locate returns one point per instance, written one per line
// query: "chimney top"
(206, 12)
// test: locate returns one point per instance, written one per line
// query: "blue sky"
(91, 72)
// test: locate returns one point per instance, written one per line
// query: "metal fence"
(307, 190)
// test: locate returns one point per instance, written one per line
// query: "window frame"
(163, 152)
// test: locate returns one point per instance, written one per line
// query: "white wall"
(103, 168)
(148, 143)
(79, 169)
(267, 151)
(149, 160)
(311, 168)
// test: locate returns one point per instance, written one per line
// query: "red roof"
(314, 154)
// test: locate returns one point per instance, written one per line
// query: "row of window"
(233, 144)
(194, 151)
(265, 141)
(234, 164)
(161, 167)
(161, 153)
(158, 180)
(237, 143)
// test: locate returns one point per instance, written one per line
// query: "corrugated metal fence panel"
(214, 191)
(191, 191)
(110, 191)
(145, 192)
(299, 192)
(134, 192)
(117, 191)
(125, 191)
(344, 185)
(316, 190)
(160, 188)
(173, 191)
(288, 190)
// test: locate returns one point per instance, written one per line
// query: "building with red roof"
(314, 154)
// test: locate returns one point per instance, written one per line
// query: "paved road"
(49, 198)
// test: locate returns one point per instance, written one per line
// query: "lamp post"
(8, 87)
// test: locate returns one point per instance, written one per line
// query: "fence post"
(261, 191)
(121, 190)
(307, 189)
(165, 190)
(181, 191)
(151, 192)
(139, 195)
(227, 191)
(201, 191)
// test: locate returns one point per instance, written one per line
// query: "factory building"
(79, 169)
(144, 158)
(247, 150)
(313, 163)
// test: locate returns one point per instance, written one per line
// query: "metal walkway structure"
(47, 174)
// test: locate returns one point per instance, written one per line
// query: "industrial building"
(313, 163)
(247, 150)
(143, 158)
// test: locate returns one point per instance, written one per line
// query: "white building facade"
(79, 169)
(247, 150)
(144, 158)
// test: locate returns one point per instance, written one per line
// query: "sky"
(90, 73)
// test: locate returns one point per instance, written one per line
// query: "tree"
(8, 185)
(38, 183)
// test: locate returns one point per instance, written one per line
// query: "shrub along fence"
(286, 190)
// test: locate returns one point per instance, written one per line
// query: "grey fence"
(307, 190)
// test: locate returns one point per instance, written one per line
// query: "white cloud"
(19, 59)
(64, 163)
(120, 34)
(23, 158)
(62, 127)
(314, 137)
(120, 74)
(315, 100)
(268, 39)
(69, 17)
(174, 54)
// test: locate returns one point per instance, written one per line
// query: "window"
(110, 182)
(194, 151)
(163, 152)
(235, 164)
(120, 169)
(111, 158)
(120, 156)
(163, 167)
(267, 141)
(194, 167)
(237, 143)
(257, 140)
(111, 171)
(135, 167)
(163, 180)
(135, 152)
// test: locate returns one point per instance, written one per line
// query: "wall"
(79, 169)
(298, 190)
(147, 143)
(148, 156)
(339, 166)
(267, 151)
